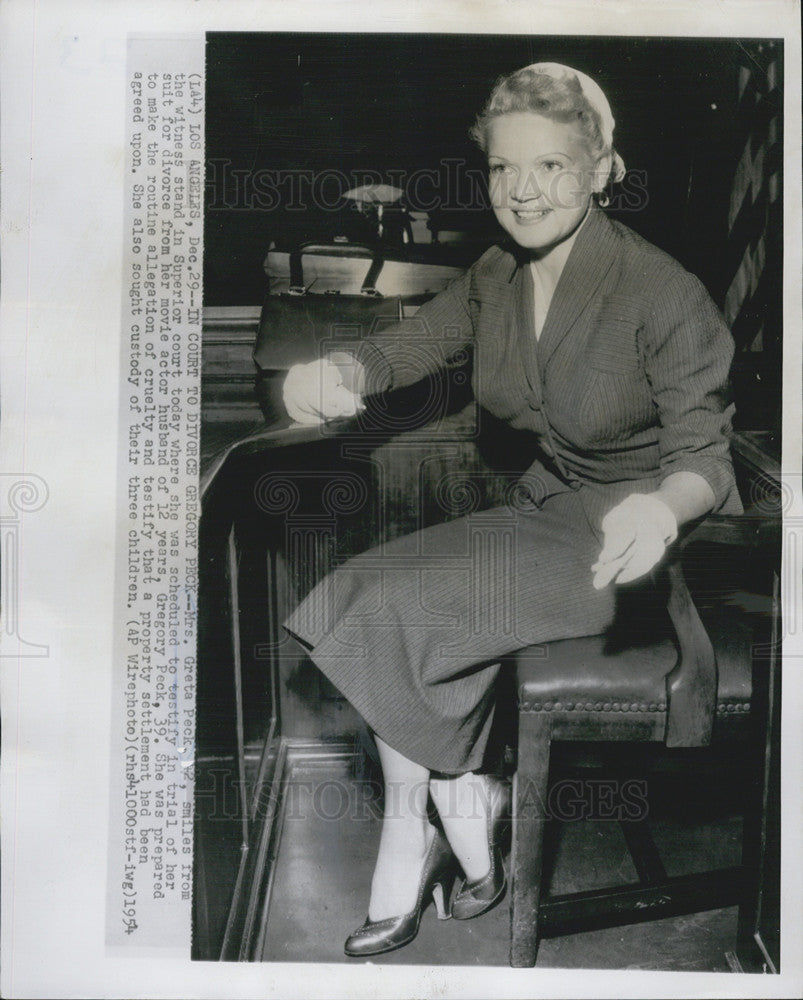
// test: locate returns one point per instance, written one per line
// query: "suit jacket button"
(575, 485)
(534, 405)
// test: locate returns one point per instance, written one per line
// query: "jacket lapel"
(589, 261)
(504, 293)
(525, 329)
(504, 299)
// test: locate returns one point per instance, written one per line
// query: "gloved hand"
(315, 392)
(636, 534)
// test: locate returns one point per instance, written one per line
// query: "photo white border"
(62, 150)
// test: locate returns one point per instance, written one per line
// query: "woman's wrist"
(687, 495)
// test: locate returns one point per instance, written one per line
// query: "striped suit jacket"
(627, 384)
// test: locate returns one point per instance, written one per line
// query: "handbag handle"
(342, 250)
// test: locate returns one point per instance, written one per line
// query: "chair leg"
(529, 817)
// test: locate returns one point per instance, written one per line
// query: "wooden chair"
(683, 686)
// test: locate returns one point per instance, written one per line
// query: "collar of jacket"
(495, 282)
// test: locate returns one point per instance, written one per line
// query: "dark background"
(402, 102)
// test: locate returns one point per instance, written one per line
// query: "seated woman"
(616, 360)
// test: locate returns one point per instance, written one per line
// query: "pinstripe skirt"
(411, 631)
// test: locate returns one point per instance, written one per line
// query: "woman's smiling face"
(542, 176)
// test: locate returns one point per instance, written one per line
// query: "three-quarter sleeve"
(421, 345)
(687, 353)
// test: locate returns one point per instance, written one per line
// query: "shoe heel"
(440, 894)
(474, 898)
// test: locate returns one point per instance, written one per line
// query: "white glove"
(315, 392)
(636, 534)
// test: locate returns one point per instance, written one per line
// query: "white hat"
(595, 97)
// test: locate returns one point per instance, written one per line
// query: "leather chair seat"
(605, 673)
(633, 685)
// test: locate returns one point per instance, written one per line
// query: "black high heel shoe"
(474, 898)
(437, 878)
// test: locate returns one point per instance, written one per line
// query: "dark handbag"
(294, 325)
(299, 326)
(295, 329)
